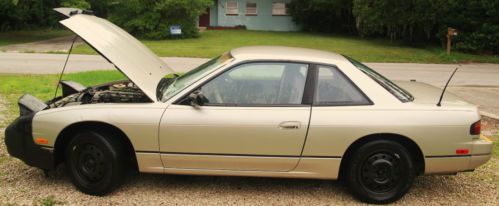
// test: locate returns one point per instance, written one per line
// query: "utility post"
(451, 32)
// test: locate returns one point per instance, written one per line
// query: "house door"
(204, 19)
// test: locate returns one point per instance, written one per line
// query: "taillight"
(475, 128)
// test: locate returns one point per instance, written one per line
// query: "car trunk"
(427, 94)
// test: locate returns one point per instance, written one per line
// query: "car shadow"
(424, 187)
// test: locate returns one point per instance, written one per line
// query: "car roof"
(287, 53)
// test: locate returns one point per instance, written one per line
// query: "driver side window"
(258, 84)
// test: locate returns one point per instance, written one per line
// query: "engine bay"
(74, 93)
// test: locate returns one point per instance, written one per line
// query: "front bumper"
(20, 144)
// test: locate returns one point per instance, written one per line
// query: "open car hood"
(127, 54)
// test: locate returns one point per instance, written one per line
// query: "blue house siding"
(264, 20)
(214, 15)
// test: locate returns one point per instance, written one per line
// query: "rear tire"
(380, 172)
(95, 162)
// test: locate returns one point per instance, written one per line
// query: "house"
(266, 15)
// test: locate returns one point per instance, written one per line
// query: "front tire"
(95, 162)
(380, 172)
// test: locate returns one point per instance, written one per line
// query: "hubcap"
(91, 163)
(380, 172)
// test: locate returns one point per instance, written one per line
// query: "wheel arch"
(405, 141)
(67, 133)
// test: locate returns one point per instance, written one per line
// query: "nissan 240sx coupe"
(254, 111)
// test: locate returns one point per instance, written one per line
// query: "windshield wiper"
(163, 85)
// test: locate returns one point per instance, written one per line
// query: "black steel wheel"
(95, 162)
(91, 163)
(380, 172)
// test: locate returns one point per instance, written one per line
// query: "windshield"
(168, 87)
(398, 92)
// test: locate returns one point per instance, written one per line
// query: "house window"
(232, 8)
(280, 8)
(251, 9)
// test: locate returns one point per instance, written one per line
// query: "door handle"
(290, 125)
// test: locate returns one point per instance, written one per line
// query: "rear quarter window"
(333, 88)
(394, 89)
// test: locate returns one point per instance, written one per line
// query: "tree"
(411, 20)
(27, 14)
(152, 19)
(80, 4)
(323, 15)
(423, 20)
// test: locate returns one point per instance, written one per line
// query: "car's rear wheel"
(380, 172)
(95, 162)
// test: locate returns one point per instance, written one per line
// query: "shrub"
(323, 15)
(27, 14)
(427, 20)
(80, 4)
(151, 19)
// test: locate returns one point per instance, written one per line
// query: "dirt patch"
(60, 44)
(3, 109)
(26, 186)
(490, 126)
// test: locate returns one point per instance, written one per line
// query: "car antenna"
(447, 84)
(65, 64)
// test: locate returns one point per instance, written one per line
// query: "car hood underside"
(127, 54)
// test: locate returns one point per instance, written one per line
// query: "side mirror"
(196, 98)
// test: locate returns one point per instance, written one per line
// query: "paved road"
(28, 63)
(478, 83)
(436, 74)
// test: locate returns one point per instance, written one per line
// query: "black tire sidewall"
(112, 152)
(407, 174)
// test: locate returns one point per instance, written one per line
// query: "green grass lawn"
(213, 43)
(16, 37)
(13, 86)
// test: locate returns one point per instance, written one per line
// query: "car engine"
(115, 92)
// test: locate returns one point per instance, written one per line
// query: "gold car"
(254, 111)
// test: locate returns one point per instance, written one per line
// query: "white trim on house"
(280, 8)
(251, 8)
(232, 8)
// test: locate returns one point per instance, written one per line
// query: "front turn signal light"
(40, 140)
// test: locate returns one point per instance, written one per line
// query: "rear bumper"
(482, 152)
(20, 144)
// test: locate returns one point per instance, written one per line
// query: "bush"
(27, 14)
(151, 19)
(484, 40)
(409, 20)
(427, 20)
(80, 4)
(323, 15)
(477, 23)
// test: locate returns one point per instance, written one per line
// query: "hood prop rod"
(439, 104)
(65, 64)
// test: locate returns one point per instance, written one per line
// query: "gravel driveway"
(23, 185)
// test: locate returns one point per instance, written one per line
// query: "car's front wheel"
(95, 162)
(380, 172)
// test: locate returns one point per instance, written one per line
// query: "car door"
(252, 118)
